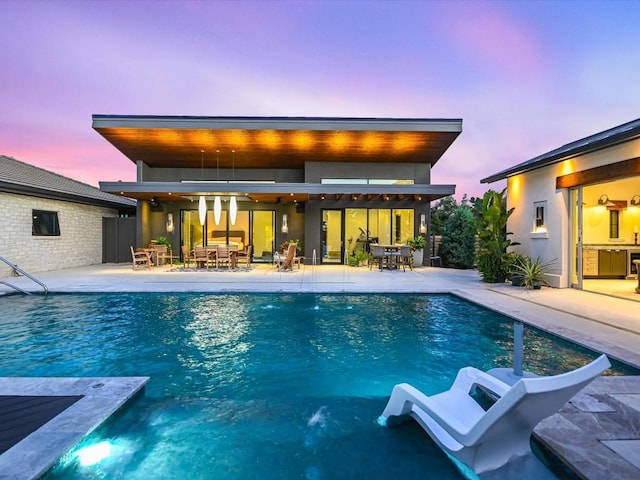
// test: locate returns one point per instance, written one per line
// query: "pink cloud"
(487, 35)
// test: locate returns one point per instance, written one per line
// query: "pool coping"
(34, 455)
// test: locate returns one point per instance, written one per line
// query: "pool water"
(269, 386)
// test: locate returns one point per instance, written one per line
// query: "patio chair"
(201, 257)
(224, 256)
(246, 255)
(405, 257)
(285, 262)
(140, 259)
(376, 255)
(160, 253)
(187, 256)
(487, 440)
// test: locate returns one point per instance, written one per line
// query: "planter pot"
(418, 257)
(517, 280)
(537, 285)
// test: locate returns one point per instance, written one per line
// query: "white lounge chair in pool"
(487, 440)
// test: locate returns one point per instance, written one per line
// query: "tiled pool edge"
(38, 452)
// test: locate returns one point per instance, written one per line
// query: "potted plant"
(512, 262)
(417, 245)
(358, 258)
(533, 272)
(162, 241)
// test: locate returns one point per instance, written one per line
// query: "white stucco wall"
(523, 191)
(79, 243)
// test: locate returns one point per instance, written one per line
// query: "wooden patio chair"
(285, 262)
(187, 256)
(201, 257)
(224, 256)
(140, 258)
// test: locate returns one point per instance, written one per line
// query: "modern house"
(579, 206)
(334, 184)
(52, 222)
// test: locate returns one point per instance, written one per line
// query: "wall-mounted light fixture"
(423, 223)
(635, 201)
(170, 222)
(604, 200)
(285, 226)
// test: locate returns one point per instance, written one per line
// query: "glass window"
(45, 223)
(366, 181)
(263, 237)
(379, 225)
(614, 223)
(402, 225)
(539, 221)
(191, 229)
(355, 230)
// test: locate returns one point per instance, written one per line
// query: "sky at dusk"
(524, 76)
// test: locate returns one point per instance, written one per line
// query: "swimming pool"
(273, 386)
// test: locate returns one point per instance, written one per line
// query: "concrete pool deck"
(588, 433)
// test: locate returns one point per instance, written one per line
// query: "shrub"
(457, 249)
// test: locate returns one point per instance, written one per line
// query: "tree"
(442, 210)
(491, 223)
(457, 249)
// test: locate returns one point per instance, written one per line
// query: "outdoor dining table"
(391, 255)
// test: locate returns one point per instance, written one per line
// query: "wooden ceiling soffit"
(613, 171)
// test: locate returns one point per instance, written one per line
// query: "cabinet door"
(604, 262)
(589, 262)
(619, 262)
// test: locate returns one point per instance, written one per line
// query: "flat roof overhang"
(275, 142)
(275, 192)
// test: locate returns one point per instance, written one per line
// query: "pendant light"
(202, 205)
(217, 205)
(217, 209)
(233, 206)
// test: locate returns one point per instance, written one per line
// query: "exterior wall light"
(170, 222)
(604, 200)
(285, 227)
(423, 223)
(635, 200)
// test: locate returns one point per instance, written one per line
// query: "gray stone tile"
(630, 400)
(40, 450)
(590, 404)
(627, 449)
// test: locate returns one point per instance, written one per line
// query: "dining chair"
(201, 257)
(377, 255)
(405, 257)
(224, 255)
(187, 255)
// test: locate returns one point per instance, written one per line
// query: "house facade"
(333, 184)
(578, 206)
(51, 222)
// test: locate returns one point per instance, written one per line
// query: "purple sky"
(525, 76)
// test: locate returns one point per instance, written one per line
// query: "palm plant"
(491, 216)
(533, 272)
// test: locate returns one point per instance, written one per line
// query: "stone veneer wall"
(79, 243)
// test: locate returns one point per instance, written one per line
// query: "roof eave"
(566, 152)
